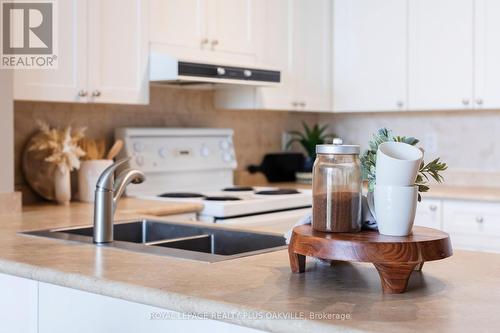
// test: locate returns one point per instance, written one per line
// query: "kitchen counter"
(456, 294)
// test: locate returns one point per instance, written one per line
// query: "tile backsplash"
(466, 140)
(256, 132)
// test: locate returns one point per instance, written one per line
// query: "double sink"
(187, 241)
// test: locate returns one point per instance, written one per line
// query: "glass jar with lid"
(337, 188)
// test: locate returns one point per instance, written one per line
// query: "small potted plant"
(308, 139)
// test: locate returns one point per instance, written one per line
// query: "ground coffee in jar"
(337, 188)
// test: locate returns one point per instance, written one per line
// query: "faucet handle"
(106, 179)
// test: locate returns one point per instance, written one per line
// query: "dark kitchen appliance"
(279, 167)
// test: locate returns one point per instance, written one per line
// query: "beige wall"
(6, 133)
(256, 132)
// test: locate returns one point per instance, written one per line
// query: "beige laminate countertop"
(458, 294)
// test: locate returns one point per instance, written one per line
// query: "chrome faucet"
(107, 193)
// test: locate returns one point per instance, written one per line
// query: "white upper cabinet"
(180, 23)
(103, 55)
(312, 52)
(441, 54)
(213, 31)
(234, 25)
(487, 64)
(70, 78)
(297, 41)
(369, 55)
(117, 65)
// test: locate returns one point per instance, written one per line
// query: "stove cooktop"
(241, 201)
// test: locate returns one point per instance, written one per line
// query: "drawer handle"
(479, 219)
(433, 208)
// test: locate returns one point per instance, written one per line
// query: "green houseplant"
(427, 171)
(308, 139)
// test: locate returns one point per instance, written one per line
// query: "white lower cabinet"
(473, 225)
(63, 310)
(429, 213)
(18, 304)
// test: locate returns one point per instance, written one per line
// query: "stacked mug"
(396, 194)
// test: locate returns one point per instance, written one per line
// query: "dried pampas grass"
(61, 144)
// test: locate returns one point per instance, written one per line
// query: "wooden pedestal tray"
(394, 257)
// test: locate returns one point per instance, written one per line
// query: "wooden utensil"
(94, 149)
(115, 149)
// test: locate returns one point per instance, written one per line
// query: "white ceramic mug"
(397, 164)
(395, 208)
(87, 178)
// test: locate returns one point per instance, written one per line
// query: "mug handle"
(371, 203)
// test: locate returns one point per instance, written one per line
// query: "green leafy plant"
(310, 138)
(426, 171)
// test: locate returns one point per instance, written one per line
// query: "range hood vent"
(168, 70)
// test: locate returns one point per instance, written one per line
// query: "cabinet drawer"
(473, 225)
(429, 213)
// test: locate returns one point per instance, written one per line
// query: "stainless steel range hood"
(170, 70)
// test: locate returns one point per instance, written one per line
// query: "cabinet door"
(429, 213)
(440, 54)
(118, 51)
(180, 23)
(311, 35)
(18, 304)
(473, 225)
(369, 55)
(63, 310)
(487, 66)
(64, 83)
(277, 54)
(234, 25)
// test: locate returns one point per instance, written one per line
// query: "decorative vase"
(62, 186)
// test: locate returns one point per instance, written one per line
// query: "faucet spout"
(126, 177)
(107, 193)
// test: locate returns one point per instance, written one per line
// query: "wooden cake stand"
(394, 257)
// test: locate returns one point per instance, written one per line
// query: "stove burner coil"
(181, 195)
(238, 189)
(222, 198)
(280, 191)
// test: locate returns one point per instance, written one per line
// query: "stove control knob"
(163, 152)
(139, 160)
(225, 144)
(138, 147)
(205, 151)
(227, 157)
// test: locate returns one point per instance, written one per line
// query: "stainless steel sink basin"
(202, 243)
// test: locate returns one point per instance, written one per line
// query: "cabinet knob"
(465, 101)
(214, 43)
(221, 71)
(479, 101)
(400, 104)
(204, 41)
(295, 103)
(479, 219)
(433, 208)
(82, 93)
(96, 93)
(302, 104)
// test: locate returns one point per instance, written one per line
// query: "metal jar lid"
(338, 148)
